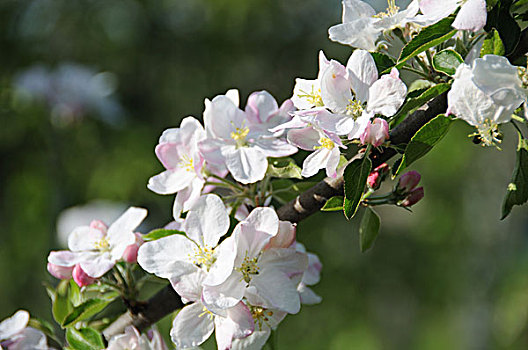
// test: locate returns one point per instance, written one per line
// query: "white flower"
(486, 94)
(239, 141)
(362, 27)
(177, 255)
(97, 248)
(472, 15)
(16, 335)
(267, 270)
(133, 340)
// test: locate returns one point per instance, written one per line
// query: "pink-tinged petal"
(170, 154)
(249, 241)
(189, 287)
(210, 150)
(220, 115)
(282, 115)
(238, 324)
(65, 258)
(13, 325)
(305, 139)
(472, 16)
(435, 10)
(167, 257)
(171, 181)
(360, 33)
(207, 221)
(255, 341)
(189, 329)
(339, 124)
(386, 95)
(223, 266)
(225, 295)
(362, 73)
(97, 266)
(308, 296)
(295, 123)
(286, 260)
(376, 133)
(285, 237)
(315, 161)
(274, 147)
(277, 289)
(84, 238)
(335, 87)
(333, 162)
(246, 164)
(312, 275)
(360, 125)
(80, 277)
(186, 198)
(30, 338)
(263, 219)
(99, 225)
(60, 272)
(260, 106)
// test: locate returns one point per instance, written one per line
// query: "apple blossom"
(376, 132)
(60, 272)
(241, 141)
(133, 340)
(16, 335)
(472, 15)
(95, 248)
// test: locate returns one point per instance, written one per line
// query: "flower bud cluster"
(406, 189)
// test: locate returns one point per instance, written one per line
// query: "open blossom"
(133, 340)
(177, 255)
(96, 248)
(178, 152)
(16, 335)
(485, 94)
(472, 15)
(241, 141)
(269, 271)
(362, 26)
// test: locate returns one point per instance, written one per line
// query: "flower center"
(314, 97)
(325, 142)
(186, 163)
(354, 108)
(203, 257)
(488, 133)
(206, 313)
(102, 244)
(260, 315)
(392, 9)
(239, 135)
(248, 268)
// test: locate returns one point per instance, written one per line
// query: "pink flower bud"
(377, 176)
(408, 181)
(131, 251)
(80, 277)
(60, 272)
(414, 197)
(376, 132)
(99, 225)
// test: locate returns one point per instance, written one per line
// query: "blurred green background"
(451, 275)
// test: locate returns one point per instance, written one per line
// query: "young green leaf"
(447, 61)
(86, 310)
(384, 62)
(84, 339)
(492, 45)
(500, 18)
(424, 140)
(160, 233)
(284, 168)
(413, 103)
(518, 187)
(355, 177)
(427, 38)
(62, 305)
(368, 229)
(334, 204)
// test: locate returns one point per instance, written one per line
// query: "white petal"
(189, 329)
(315, 161)
(167, 257)
(31, 338)
(264, 219)
(238, 324)
(360, 125)
(225, 295)
(362, 73)
(304, 92)
(386, 95)
(354, 9)
(207, 221)
(313, 274)
(472, 16)
(220, 115)
(333, 162)
(435, 10)
(285, 237)
(246, 164)
(278, 290)
(66, 258)
(223, 266)
(13, 325)
(306, 138)
(308, 296)
(360, 33)
(84, 238)
(260, 106)
(274, 147)
(171, 181)
(250, 241)
(234, 96)
(255, 341)
(335, 88)
(98, 265)
(189, 286)
(127, 222)
(186, 198)
(286, 260)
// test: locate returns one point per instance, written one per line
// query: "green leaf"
(86, 310)
(334, 204)
(368, 229)
(447, 61)
(413, 103)
(355, 177)
(284, 168)
(424, 140)
(62, 305)
(518, 187)
(492, 45)
(384, 62)
(84, 339)
(427, 38)
(501, 19)
(160, 233)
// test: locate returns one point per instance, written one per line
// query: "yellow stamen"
(488, 132)
(206, 313)
(102, 244)
(186, 163)
(313, 97)
(260, 315)
(203, 257)
(354, 108)
(248, 267)
(325, 142)
(392, 9)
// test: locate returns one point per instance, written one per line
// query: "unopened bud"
(377, 176)
(80, 277)
(60, 272)
(376, 133)
(131, 251)
(408, 181)
(414, 197)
